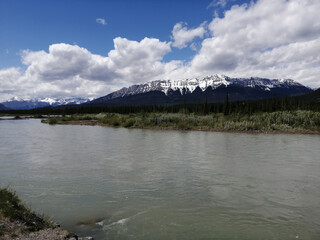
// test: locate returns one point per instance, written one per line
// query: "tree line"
(227, 107)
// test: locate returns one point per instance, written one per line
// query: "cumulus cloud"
(101, 21)
(9, 80)
(61, 62)
(70, 70)
(129, 59)
(139, 61)
(181, 35)
(266, 38)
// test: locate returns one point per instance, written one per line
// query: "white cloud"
(138, 61)
(217, 3)
(9, 80)
(129, 60)
(215, 14)
(101, 21)
(296, 60)
(69, 70)
(267, 39)
(193, 46)
(61, 62)
(181, 35)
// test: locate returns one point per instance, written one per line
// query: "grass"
(13, 209)
(280, 121)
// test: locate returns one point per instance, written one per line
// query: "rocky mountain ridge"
(213, 88)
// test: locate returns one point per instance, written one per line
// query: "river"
(117, 183)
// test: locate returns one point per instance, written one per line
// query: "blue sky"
(36, 24)
(88, 48)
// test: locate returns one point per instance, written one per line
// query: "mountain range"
(209, 89)
(18, 103)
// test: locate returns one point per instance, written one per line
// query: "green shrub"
(280, 120)
(115, 123)
(104, 120)
(129, 123)
(53, 121)
(86, 118)
(183, 125)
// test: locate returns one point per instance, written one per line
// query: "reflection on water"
(116, 183)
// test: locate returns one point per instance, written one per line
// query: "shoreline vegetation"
(21, 223)
(294, 114)
(295, 121)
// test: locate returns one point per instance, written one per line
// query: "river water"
(117, 183)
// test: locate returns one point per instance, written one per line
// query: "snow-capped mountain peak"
(213, 81)
(208, 89)
(63, 101)
(15, 98)
(50, 101)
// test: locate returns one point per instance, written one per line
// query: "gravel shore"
(18, 231)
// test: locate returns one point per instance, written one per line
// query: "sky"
(89, 48)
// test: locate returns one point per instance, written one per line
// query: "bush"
(115, 122)
(129, 123)
(280, 120)
(183, 125)
(53, 121)
(86, 118)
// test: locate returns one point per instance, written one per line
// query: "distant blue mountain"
(20, 104)
(2, 107)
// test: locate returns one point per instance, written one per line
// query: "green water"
(116, 183)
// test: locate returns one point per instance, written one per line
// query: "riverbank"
(302, 122)
(18, 222)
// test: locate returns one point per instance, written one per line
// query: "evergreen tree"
(226, 105)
